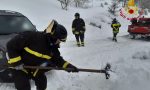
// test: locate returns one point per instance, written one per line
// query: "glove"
(72, 68)
(19, 67)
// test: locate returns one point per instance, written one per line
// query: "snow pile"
(143, 55)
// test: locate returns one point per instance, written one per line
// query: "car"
(139, 27)
(11, 24)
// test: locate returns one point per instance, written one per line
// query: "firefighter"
(134, 21)
(78, 29)
(36, 49)
(115, 26)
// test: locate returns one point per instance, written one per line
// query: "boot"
(82, 44)
(115, 39)
(78, 44)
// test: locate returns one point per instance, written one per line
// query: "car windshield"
(144, 23)
(15, 24)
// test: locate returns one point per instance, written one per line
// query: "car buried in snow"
(139, 28)
(11, 24)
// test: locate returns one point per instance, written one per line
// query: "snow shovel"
(105, 70)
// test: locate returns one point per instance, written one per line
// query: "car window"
(15, 24)
(144, 22)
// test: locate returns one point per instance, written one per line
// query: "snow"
(130, 59)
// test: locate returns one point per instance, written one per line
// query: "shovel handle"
(59, 68)
(107, 75)
(91, 70)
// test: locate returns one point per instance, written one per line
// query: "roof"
(9, 12)
(144, 19)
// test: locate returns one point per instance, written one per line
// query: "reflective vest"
(115, 28)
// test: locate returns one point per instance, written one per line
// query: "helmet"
(51, 26)
(114, 19)
(59, 32)
(77, 14)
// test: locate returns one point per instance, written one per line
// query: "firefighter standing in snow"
(36, 49)
(78, 29)
(115, 26)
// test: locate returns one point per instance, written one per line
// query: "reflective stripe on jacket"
(115, 27)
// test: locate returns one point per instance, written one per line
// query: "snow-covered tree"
(145, 4)
(105, 3)
(113, 7)
(80, 3)
(101, 5)
(64, 4)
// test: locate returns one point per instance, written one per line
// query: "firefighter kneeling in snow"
(36, 49)
(115, 26)
(78, 29)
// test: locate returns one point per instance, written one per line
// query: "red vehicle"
(140, 27)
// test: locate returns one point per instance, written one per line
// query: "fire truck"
(140, 27)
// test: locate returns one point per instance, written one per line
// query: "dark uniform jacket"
(33, 49)
(78, 26)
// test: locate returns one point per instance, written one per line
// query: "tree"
(105, 3)
(64, 4)
(113, 7)
(80, 3)
(102, 5)
(145, 4)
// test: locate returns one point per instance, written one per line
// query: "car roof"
(9, 12)
(144, 19)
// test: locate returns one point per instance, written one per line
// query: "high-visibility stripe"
(82, 43)
(115, 31)
(116, 28)
(37, 53)
(25, 71)
(115, 25)
(65, 65)
(76, 32)
(63, 40)
(35, 72)
(78, 42)
(13, 60)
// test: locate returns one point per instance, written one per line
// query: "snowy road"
(130, 59)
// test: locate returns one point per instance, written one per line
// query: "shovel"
(105, 70)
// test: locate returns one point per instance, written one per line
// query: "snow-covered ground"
(130, 59)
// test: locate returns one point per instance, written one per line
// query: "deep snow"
(130, 59)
